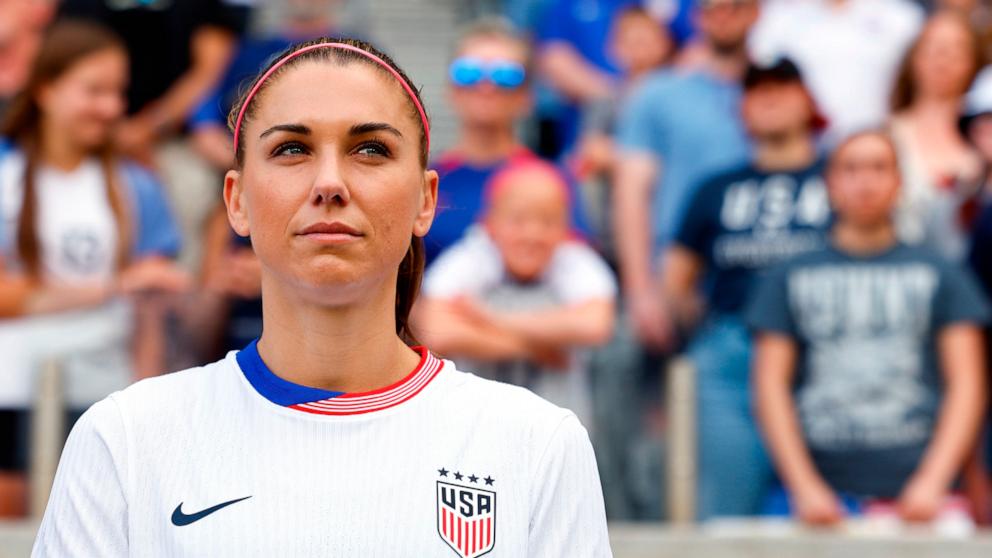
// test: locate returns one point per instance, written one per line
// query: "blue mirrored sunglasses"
(505, 74)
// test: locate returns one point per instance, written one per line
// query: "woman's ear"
(428, 204)
(237, 210)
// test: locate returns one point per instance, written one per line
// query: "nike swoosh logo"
(179, 518)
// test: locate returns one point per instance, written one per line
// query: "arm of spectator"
(214, 144)
(211, 51)
(570, 74)
(680, 276)
(632, 225)
(444, 328)
(774, 367)
(20, 296)
(962, 359)
(587, 323)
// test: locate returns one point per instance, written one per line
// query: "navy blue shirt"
(868, 386)
(742, 222)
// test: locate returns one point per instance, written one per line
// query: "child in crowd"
(82, 233)
(870, 367)
(516, 296)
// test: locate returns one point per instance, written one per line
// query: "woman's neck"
(351, 348)
(485, 145)
(57, 150)
(935, 109)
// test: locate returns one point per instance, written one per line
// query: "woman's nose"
(329, 186)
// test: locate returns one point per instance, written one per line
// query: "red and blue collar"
(323, 402)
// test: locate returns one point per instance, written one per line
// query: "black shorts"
(15, 437)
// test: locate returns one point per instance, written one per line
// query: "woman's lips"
(331, 233)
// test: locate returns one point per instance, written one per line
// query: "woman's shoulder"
(511, 406)
(183, 389)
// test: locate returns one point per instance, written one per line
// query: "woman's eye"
(372, 149)
(290, 149)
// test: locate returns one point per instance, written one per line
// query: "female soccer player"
(329, 436)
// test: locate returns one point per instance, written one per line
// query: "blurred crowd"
(794, 195)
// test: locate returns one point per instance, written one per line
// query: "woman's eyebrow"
(293, 128)
(368, 127)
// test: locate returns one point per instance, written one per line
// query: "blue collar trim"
(272, 387)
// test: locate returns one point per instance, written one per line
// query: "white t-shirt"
(78, 237)
(231, 460)
(576, 274)
(849, 54)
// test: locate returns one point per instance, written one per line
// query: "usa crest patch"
(466, 516)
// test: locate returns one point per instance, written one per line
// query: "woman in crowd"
(79, 228)
(938, 165)
(869, 364)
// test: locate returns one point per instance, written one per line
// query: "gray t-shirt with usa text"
(868, 386)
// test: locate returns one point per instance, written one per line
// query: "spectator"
(640, 45)
(179, 51)
(21, 26)
(938, 165)
(869, 366)
(678, 128)
(976, 125)
(79, 229)
(737, 225)
(489, 90)
(572, 40)
(848, 50)
(519, 299)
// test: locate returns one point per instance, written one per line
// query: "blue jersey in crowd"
(690, 122)
(585, 25)
(460, 200)
(868, 384)
(745, 221)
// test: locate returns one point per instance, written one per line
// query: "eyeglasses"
(505, 74)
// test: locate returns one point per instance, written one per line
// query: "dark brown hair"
(65, 45)
(904, 92)
(411, 269)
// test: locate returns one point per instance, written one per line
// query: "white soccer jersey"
(231, 460)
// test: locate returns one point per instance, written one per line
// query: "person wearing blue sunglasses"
(489, 90)
(489, 93)
(468, 71)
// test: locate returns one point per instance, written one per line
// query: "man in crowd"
(737, 225)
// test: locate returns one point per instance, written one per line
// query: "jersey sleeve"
(87, 510)
(568, 517)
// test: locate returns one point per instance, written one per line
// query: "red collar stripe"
(390, 396)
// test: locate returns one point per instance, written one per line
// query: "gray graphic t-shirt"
(868, 386)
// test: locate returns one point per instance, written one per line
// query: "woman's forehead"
(323, 91)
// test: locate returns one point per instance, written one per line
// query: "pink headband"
(341, 46)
